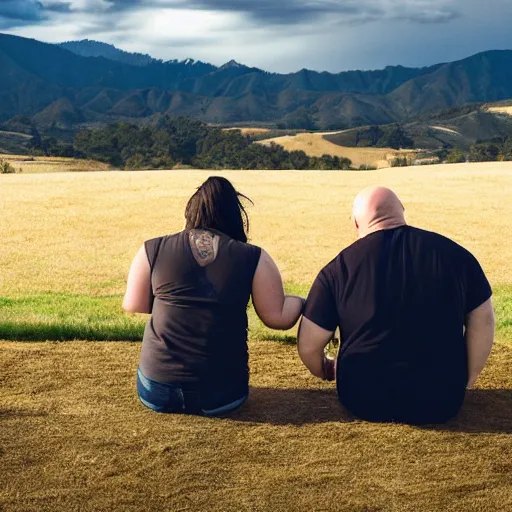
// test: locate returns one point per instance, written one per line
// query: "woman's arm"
(275, 309)
(137, 298)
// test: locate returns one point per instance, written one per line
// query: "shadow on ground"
(484, 410)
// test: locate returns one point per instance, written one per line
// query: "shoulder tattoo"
(203, 245)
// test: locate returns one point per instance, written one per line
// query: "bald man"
(415, 316)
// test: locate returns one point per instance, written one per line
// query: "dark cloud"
(106, 23)
(289, 12)
(436, 17)
(22, 11)
(178, 42)
(63, 7)
(263, 12)
(283, 12)
(16, 13)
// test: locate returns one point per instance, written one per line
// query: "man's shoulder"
(410, 235)
(438, 240)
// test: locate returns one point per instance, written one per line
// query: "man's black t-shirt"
(400, 298)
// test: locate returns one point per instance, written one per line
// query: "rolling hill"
(455, 127)
(64, 89)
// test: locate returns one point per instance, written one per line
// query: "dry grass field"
(313, 144)
(70, 232)
(73, 436)
(43, 164)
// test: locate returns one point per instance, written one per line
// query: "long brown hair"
(216, 204)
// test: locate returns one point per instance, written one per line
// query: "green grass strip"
(63, 316)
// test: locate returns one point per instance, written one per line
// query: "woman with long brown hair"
(196, 284)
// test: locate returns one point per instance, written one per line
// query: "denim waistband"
(179, 398)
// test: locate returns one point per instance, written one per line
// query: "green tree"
(484, 152)
(455, 156)
(369, 137)
(136, 161)
(507, 149)
(397, 139)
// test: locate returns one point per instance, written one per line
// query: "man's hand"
(329, 368)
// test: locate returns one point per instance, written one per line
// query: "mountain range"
(85, 83)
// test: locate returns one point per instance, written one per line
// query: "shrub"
(455, 156)
(6, 167)
(484, 152)
(507, 150)
(400, 161)
(426, 161)
(136, 161)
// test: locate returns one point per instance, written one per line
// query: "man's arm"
(479, 337)
(312, 340)
(319, 321)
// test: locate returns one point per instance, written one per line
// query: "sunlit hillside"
(314, 144)
(49, 164)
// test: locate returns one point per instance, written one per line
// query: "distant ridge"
(88, 48)
(53, 85)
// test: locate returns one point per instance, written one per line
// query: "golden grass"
(43, 164)
(77, 233)
(313, 144)
(501, 110)
(75, 438)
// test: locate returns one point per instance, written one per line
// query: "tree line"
(495, 150)
(171, 142)
(392, 136)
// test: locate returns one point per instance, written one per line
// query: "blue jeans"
(178, 398)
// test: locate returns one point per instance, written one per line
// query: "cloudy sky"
(276, 35)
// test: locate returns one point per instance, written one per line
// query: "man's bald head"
(377, 208)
